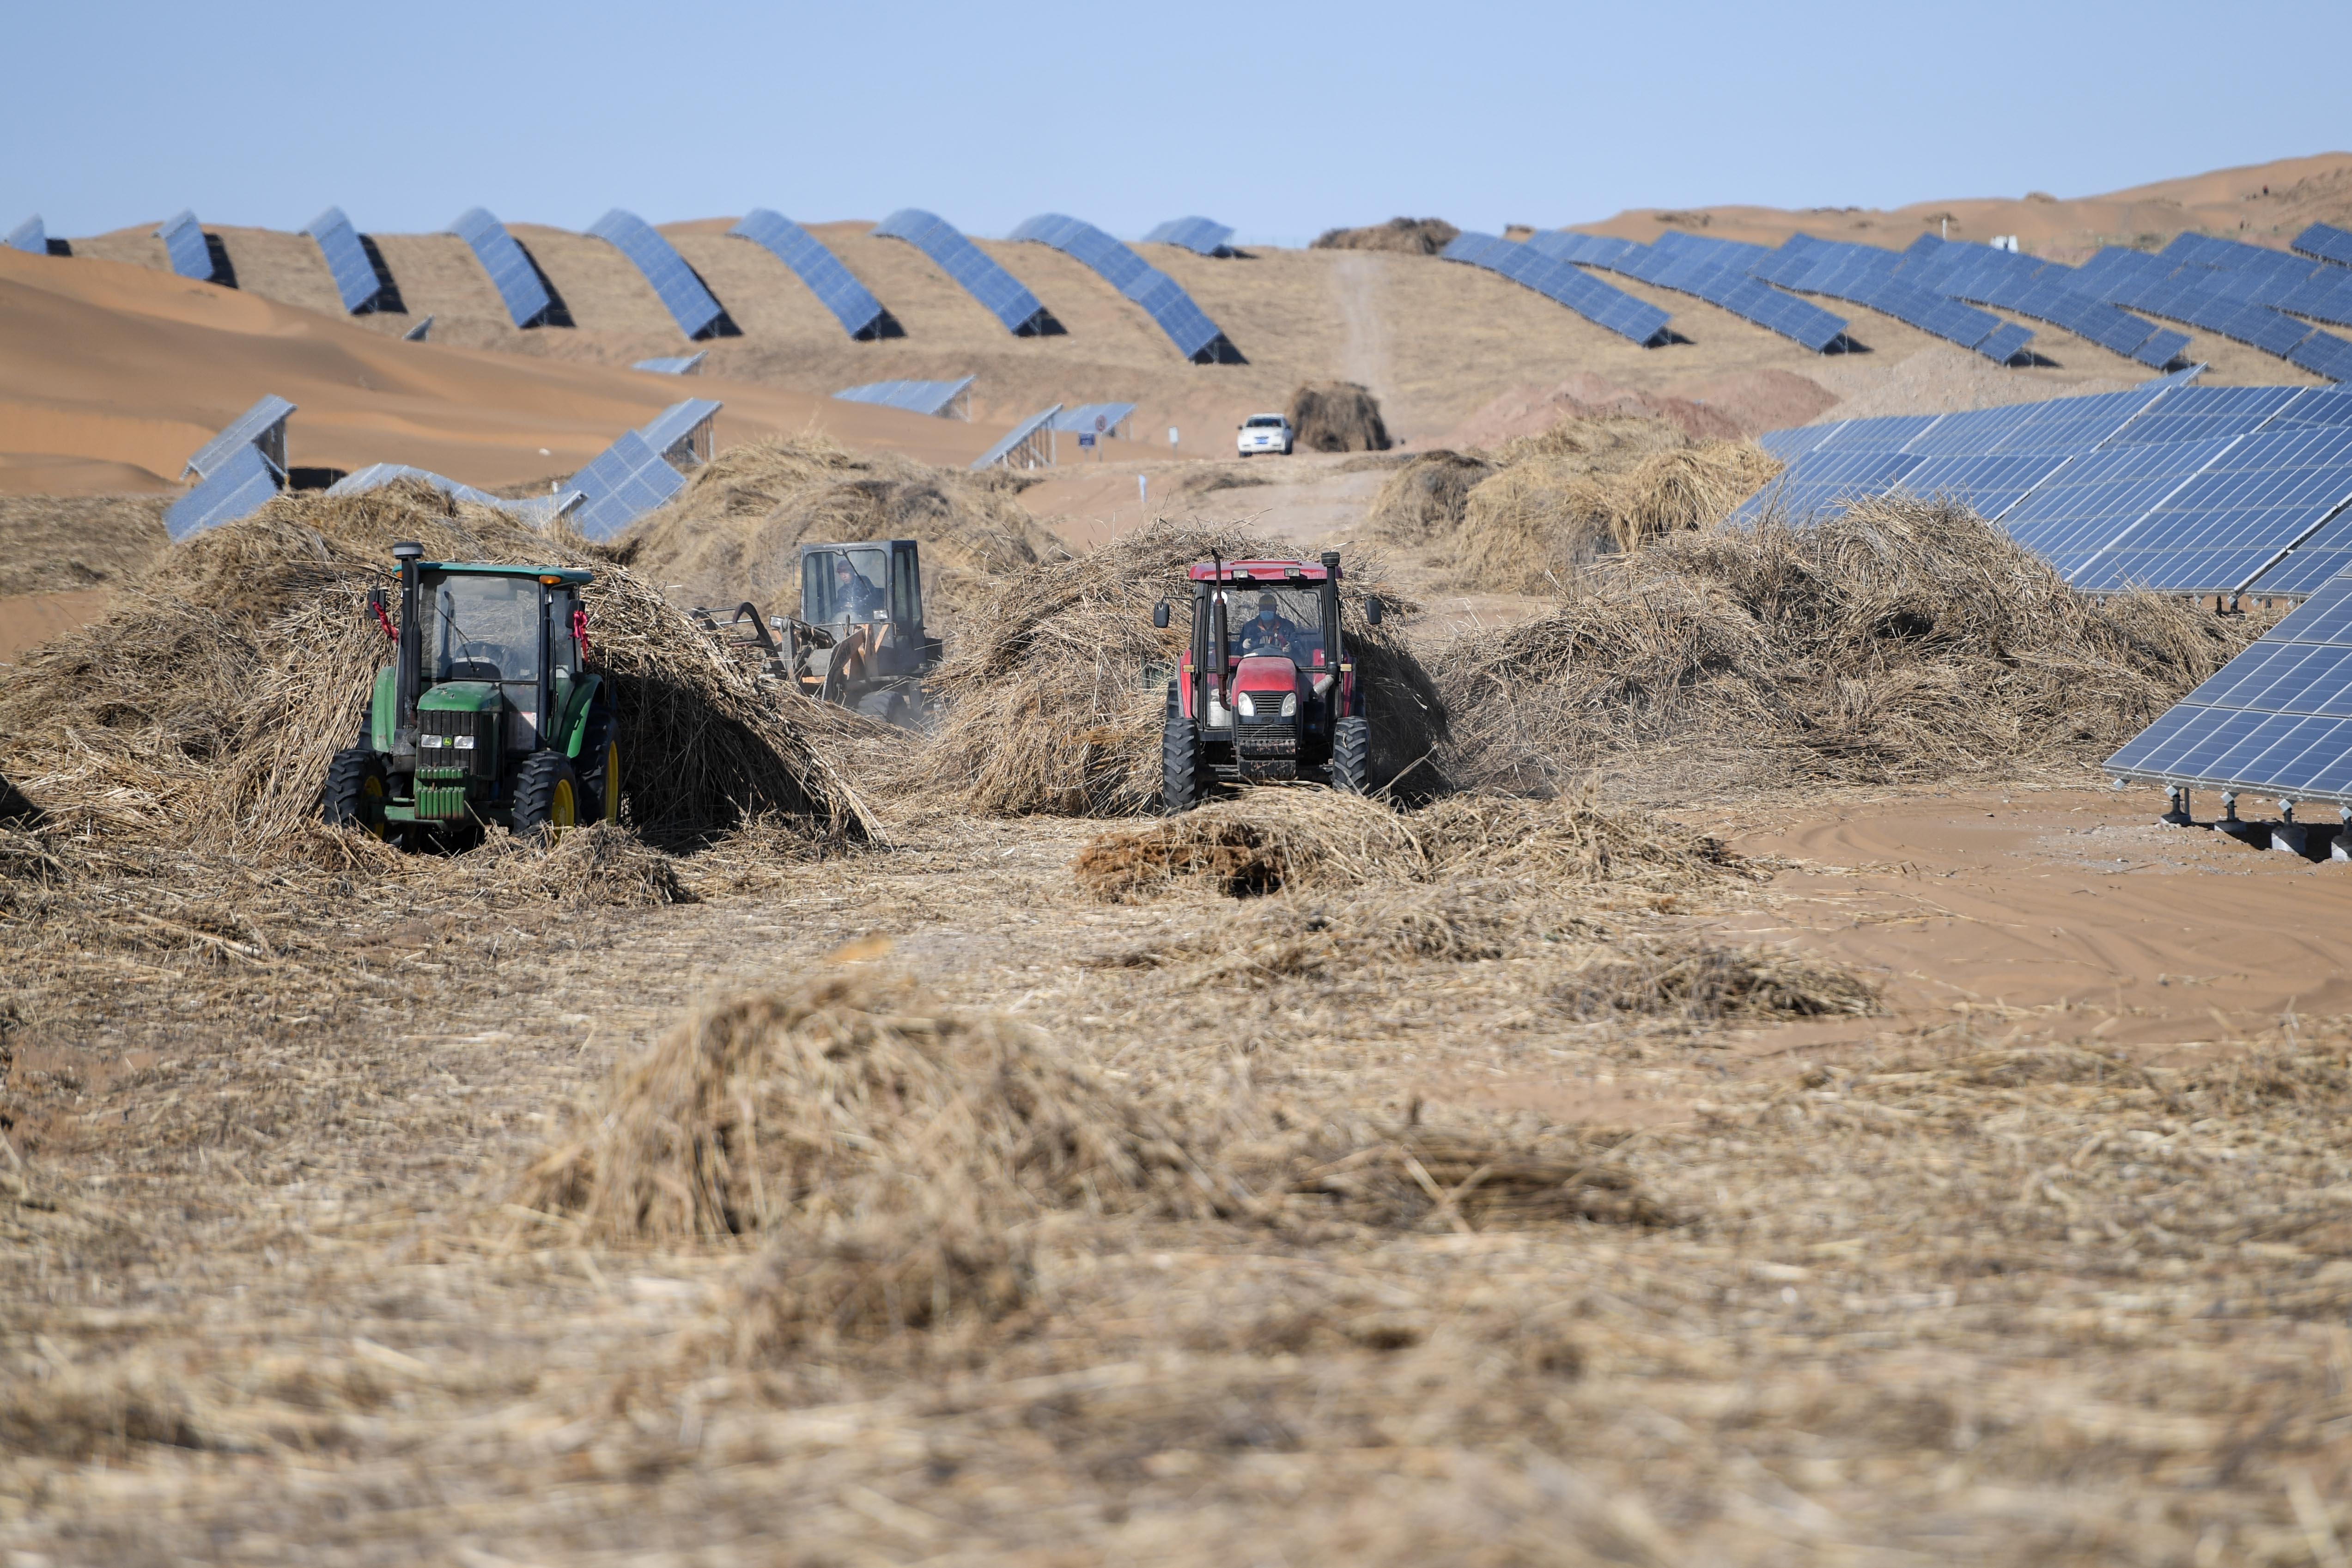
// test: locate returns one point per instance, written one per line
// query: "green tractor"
(488, 713)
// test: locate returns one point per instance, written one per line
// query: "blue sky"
(1280, 119)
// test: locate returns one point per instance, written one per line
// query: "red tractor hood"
(1265, 672)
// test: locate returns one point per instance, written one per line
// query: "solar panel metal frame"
(262, 426)
(29, 236)
(512, 273)
(1196, 337)
(625, 481)
(347, 259)
(1201, 236)
(936, 398)
(691, 304)
(1034, 425)
(999, 293)
(236, 488)
(184, 240)
(851, 302)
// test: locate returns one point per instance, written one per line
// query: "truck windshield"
(481, 628)
(838, 586)
(1281, 621)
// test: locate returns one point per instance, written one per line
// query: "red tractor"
(1266, 689)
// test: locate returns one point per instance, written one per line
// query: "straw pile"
(1056, 695)
(735, 532)
(1337, 417)
(1409, 236)
(208, 705)
(1424, 502)
(1904, 639)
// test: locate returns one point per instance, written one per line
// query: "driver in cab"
(853, 595)
(1268, 633)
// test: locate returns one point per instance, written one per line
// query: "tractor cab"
(488, 711)
(1264, 689)
(860, 637)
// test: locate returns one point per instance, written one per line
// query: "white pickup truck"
(1264, 433)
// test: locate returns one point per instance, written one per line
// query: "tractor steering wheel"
(481, 653)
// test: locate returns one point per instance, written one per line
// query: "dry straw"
(1337, 417)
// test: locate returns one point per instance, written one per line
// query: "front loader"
(488, 712)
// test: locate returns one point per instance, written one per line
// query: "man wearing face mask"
(1268, 633)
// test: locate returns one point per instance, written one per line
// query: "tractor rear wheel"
(355, 790)
(547, 795)
(1180, 765)
(1352, 756)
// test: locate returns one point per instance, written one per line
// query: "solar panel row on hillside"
(339, 242)
(1002, 294)
(2294, 284)
(857, 311)
(1710, 269)
(1868, 275)
(2043, 291)
(940, 399)
(1637, 321)
(512, 273)
(1196, 337)
(1195, 234)
(2212, 298)
(2325, 242)
(184, 240)
(689, 302)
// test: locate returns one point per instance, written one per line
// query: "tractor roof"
(1258, 572)
(575, 575)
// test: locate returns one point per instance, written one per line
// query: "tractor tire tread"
(534, 793)
(343, 802)
(1180, 765)
(1352, 756)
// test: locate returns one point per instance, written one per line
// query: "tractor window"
(1274, 621)
(842, 585)
(482, 628)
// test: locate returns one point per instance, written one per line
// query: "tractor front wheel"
(547, 795)
(355, 790)
(1352, 756)
(1180, 765)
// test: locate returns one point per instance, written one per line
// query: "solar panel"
(674, 365)
(183, 238)
(239, 486)
(2261, 277)
(262, 426)
(1819, 484)
(1867, 275)
(1637, 321)
(2324, 353)
(1989, 484)
(627, 480)
(938, 398)
(2199, 295)
(2078, 511)
(1082, 418)
(1709, 269)
(419, 332)
(2006, 343)
(1196, 337)
(857, 311)
(2234, 519)
(1021, 436)
(511, 270)
(355, 277)
(1194, 234)
(540, 511)
(2201, 412)
(691, 304)
(1791, 443)
(2161, 350)
(1003, 295)
(676, 428)
(2043, 291)
(1895, 432)
(2318, 407)
(2069, 425)
(2277, 717)
(29, 236)
(2325, 242)
(1979, 430)
(375, 476)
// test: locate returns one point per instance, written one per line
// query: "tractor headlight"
(1245, 707)
(463, 743)
(431, 740)
(1290, 706)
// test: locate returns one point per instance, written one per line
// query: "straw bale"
(1548, 511)
(209, 703)
(1056, 698)
(1904, 639)
(1337, 417)
(735, 533)
(1423, 501)
(1409, 236)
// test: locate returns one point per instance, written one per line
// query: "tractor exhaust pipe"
(411, 637)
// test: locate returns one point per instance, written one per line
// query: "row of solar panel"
(1196, 337)
(2169, 487)
(1713, 270)
(1636, 321)
(1870, 276)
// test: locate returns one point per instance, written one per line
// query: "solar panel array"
(1636, 321)
(2043, 291)
(1003, 295)
(29, 236)
(673, 364)
(2238, 290)
(183, 238)
(512, 273)
(263, 425)
(1715, 270)
(689, 303)
(627, 480)
(2294, 284)
(237, 487)
(1196, 337)
(2325, 242)
(1082, 418)
(2277, 717)
(2175, 488)
(1195, 234)
(1020, 436)
(1868, 275)
(937, 398)
(339, 242)
(858, 311)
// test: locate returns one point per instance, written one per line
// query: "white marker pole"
(1171, 437)
(1141, 494)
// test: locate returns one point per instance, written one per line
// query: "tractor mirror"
(1372, 609)
(375, 601)
(1160, 614)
